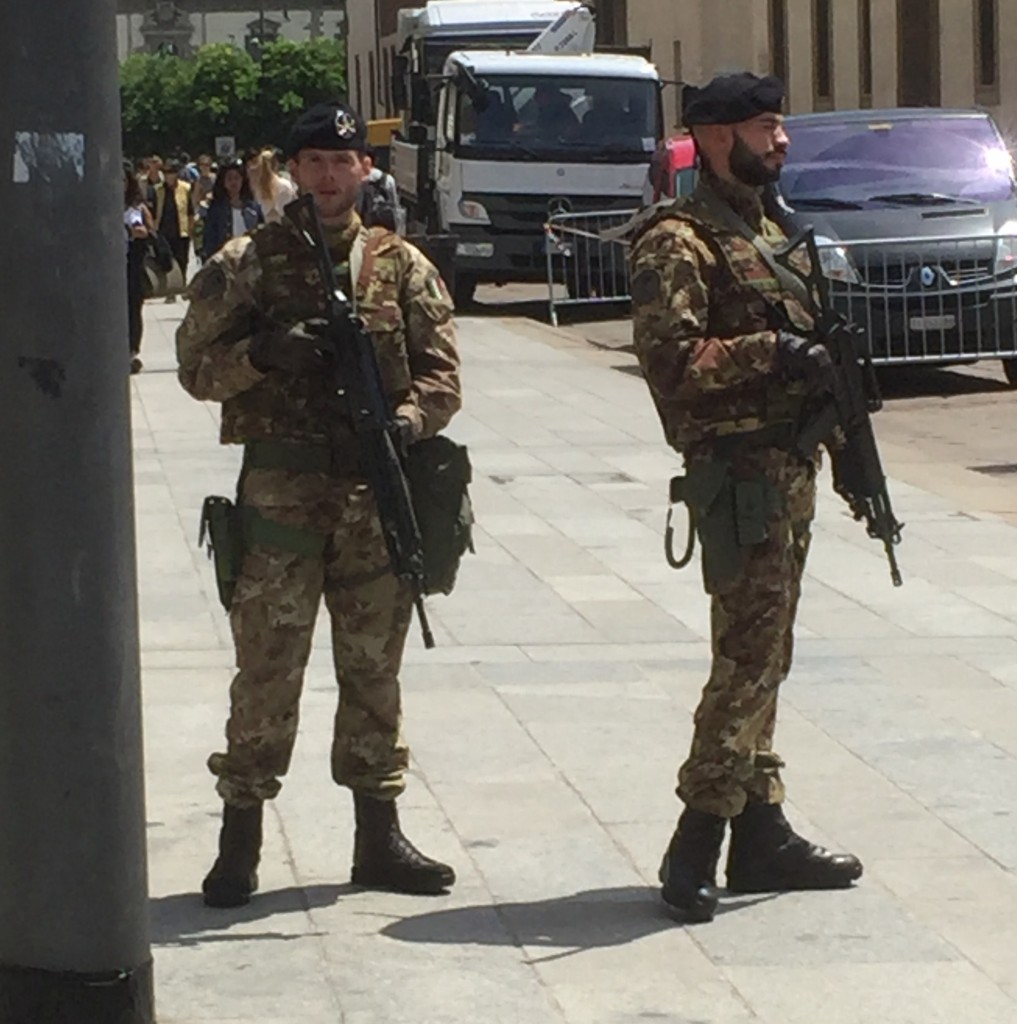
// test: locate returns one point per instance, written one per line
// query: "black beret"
(328, 126)
(730, 99)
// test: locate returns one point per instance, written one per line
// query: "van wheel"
(1010, 371)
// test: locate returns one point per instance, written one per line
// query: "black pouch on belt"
(221, 531)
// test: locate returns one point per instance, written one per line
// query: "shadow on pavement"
(183, 920)
(896, 382)
(594, 919)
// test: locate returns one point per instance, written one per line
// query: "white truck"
(506, 137)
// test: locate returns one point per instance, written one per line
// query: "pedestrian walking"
(232, 211)
(138, 229)
(730, 389)
(201, 196)
(174, 214)
(271, 191)
(249, 341)
(379, 202)
(151, 179)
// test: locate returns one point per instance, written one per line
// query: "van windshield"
(946, 158)
(557, 117)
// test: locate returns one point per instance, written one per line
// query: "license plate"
(933, 323)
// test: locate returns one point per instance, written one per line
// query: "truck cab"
(524, 135)
(520, 136)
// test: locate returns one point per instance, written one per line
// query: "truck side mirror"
(400, 69)
(474, 87)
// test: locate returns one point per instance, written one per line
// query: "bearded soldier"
(252, 341)
(725, 341)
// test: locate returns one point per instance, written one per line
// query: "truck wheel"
(465, 291)
(1010, 371)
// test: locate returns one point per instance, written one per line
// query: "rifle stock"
(858, 475)
(358, 381)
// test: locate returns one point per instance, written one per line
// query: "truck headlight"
(472, 210)
(835, 262)
(1006, 251)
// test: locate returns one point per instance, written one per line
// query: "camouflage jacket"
(269, 281)
(702, 320)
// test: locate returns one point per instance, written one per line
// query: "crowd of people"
(177, 207)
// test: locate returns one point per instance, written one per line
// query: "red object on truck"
(672, 169)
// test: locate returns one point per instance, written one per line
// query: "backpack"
(378, 203)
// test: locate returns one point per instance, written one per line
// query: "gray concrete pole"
(73, 906)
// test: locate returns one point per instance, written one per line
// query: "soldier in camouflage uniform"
(252, 341)
(727, 348)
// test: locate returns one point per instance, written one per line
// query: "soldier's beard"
(748, 167)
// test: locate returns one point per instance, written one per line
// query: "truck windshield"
(946, 158)
(558, 117)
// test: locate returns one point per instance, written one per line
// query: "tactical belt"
(302, 457)
(774, 435)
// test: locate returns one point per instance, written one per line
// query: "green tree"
(295, 76)
(171, 104)
(224, 95)
(155, 94)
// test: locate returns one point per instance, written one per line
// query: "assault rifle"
(857, 471)
(358, 381)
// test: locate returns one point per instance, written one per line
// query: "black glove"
(805, 360)
(300, 350)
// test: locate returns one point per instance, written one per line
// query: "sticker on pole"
(51, 158)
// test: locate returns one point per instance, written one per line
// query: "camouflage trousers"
(273, 616)
(732, 757)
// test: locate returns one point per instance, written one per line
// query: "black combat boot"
(383, 858)
(234, 875)
(688, 872)
(767, 855)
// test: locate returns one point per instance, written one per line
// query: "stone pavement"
(546, 730)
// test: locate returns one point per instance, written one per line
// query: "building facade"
(181, 26)
(837, 54)
(833, 54)
(371, 50)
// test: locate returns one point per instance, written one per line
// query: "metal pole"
(74, 942)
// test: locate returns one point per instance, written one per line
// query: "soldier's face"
(758, 149)
(332, 177)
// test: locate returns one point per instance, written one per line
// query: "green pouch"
(709, 493)
(221, 532)
(752, 510)
(439, 473)
(728, 515)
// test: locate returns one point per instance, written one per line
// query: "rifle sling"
(789, 280)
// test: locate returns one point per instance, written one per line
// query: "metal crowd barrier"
(928, 300)
(584, 264)
(919, 300)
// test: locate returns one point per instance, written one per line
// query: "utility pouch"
(709, 494)
(727, 515)
(439, 474)
(221, 533)
(752, 510)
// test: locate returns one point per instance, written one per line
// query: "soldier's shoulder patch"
(646, 286)
(434, 287)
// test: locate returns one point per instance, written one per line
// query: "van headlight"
(835, 262)
(1006, 250)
